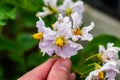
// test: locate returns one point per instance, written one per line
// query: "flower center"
(38, 35)
(99, 56)
(77, 32)
(52, 9)
(60, 42)
(101, 75)
(52, 25)
(68, 11)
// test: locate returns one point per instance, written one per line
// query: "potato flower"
(60, 20)
(107, 71)
(111, 53)
(68, 7)
(41, 28)
(51, 7)
(80, 33)
(60, 43)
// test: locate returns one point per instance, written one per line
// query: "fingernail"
(65, 64)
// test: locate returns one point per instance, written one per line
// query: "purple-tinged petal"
(64, 30)
(52, 3)
(110, 74)
(76, 19)
(101, 49)
(79, 7)
(49, 34)
(44, 13)
(85, 34)
(40, 25)
(47, 47)
(68, 50)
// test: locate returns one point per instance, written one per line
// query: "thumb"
(60, 70)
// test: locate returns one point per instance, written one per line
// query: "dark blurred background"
(110, 7)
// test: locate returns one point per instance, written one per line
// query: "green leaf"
(32, 5)
(25, 41)
(6, 12)
(3, 22)
(11, 13)
(2, 16)
(29, 20)
(2, 19)
(28, 5)
(101, 40)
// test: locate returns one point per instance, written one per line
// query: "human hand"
(52, 69)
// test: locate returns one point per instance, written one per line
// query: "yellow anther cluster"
(77, 32)
(38, 35)
(101, 75)
(52, 25)
(99, 56)
(60, 42)
(68, 11)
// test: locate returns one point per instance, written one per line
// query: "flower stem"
(91, 57)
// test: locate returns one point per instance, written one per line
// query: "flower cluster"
(64, 38)
(110, 61)
(66, 34)
(67, 8)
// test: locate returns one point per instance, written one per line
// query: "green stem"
(88, 58)
(93, 64)
(91, 57)
(88, 71)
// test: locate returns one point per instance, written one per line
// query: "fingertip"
(72, 76)
(65, 63)
(60, 70)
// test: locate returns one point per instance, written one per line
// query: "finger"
(60, 70)
(40, 72)
(72, 76)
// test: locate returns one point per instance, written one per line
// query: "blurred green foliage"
(19, 52)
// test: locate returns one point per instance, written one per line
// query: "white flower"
(61, 20)
(93, 75)
(41, 28)
(59, 43)
(111, 69)
(79, 33)
(51, 3)
(107, 71)
(45, 13)
(69, 7)
(43, 31)
(76, 19)
(111, 53)
(66, 9)
(83, 33)
(51, 8)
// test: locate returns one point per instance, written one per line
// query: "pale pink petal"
(85, 34)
